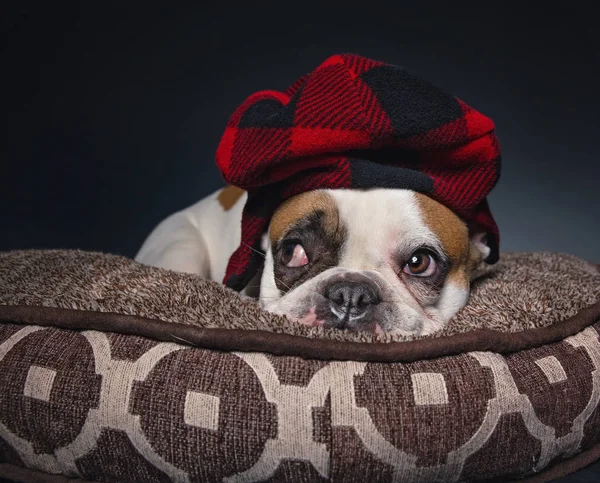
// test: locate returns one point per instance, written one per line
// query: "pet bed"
(115, 371)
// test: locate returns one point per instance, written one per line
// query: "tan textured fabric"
(105, 406)
(522, 291)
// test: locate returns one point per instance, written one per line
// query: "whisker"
(282, 282)
(254, 250)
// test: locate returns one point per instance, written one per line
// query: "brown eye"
(293, 255)
(421, 264)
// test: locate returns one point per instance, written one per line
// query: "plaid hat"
(356, 123)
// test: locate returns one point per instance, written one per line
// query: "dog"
(380, 260)
(363, 186)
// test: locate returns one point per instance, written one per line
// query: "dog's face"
(379, 260)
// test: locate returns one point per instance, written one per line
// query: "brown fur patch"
(452, 233)
(229, 196)
(301, 206)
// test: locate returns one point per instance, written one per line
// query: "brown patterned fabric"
(103, 406)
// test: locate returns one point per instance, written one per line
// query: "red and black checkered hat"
(356, 123)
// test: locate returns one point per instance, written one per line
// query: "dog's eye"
(293, 255)
(421, 264)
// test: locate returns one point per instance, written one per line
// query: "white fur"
(198, 239)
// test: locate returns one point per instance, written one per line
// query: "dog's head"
(380, 260)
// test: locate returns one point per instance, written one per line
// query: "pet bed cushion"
(115, 371)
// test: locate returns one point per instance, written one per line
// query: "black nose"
(351, 300)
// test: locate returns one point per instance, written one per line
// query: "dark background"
(113, 113)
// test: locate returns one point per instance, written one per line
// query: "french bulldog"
(381, 260)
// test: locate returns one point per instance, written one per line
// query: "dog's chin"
(312, 319)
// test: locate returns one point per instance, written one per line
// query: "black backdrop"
(113, 113)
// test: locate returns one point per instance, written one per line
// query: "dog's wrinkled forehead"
(360, 224)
